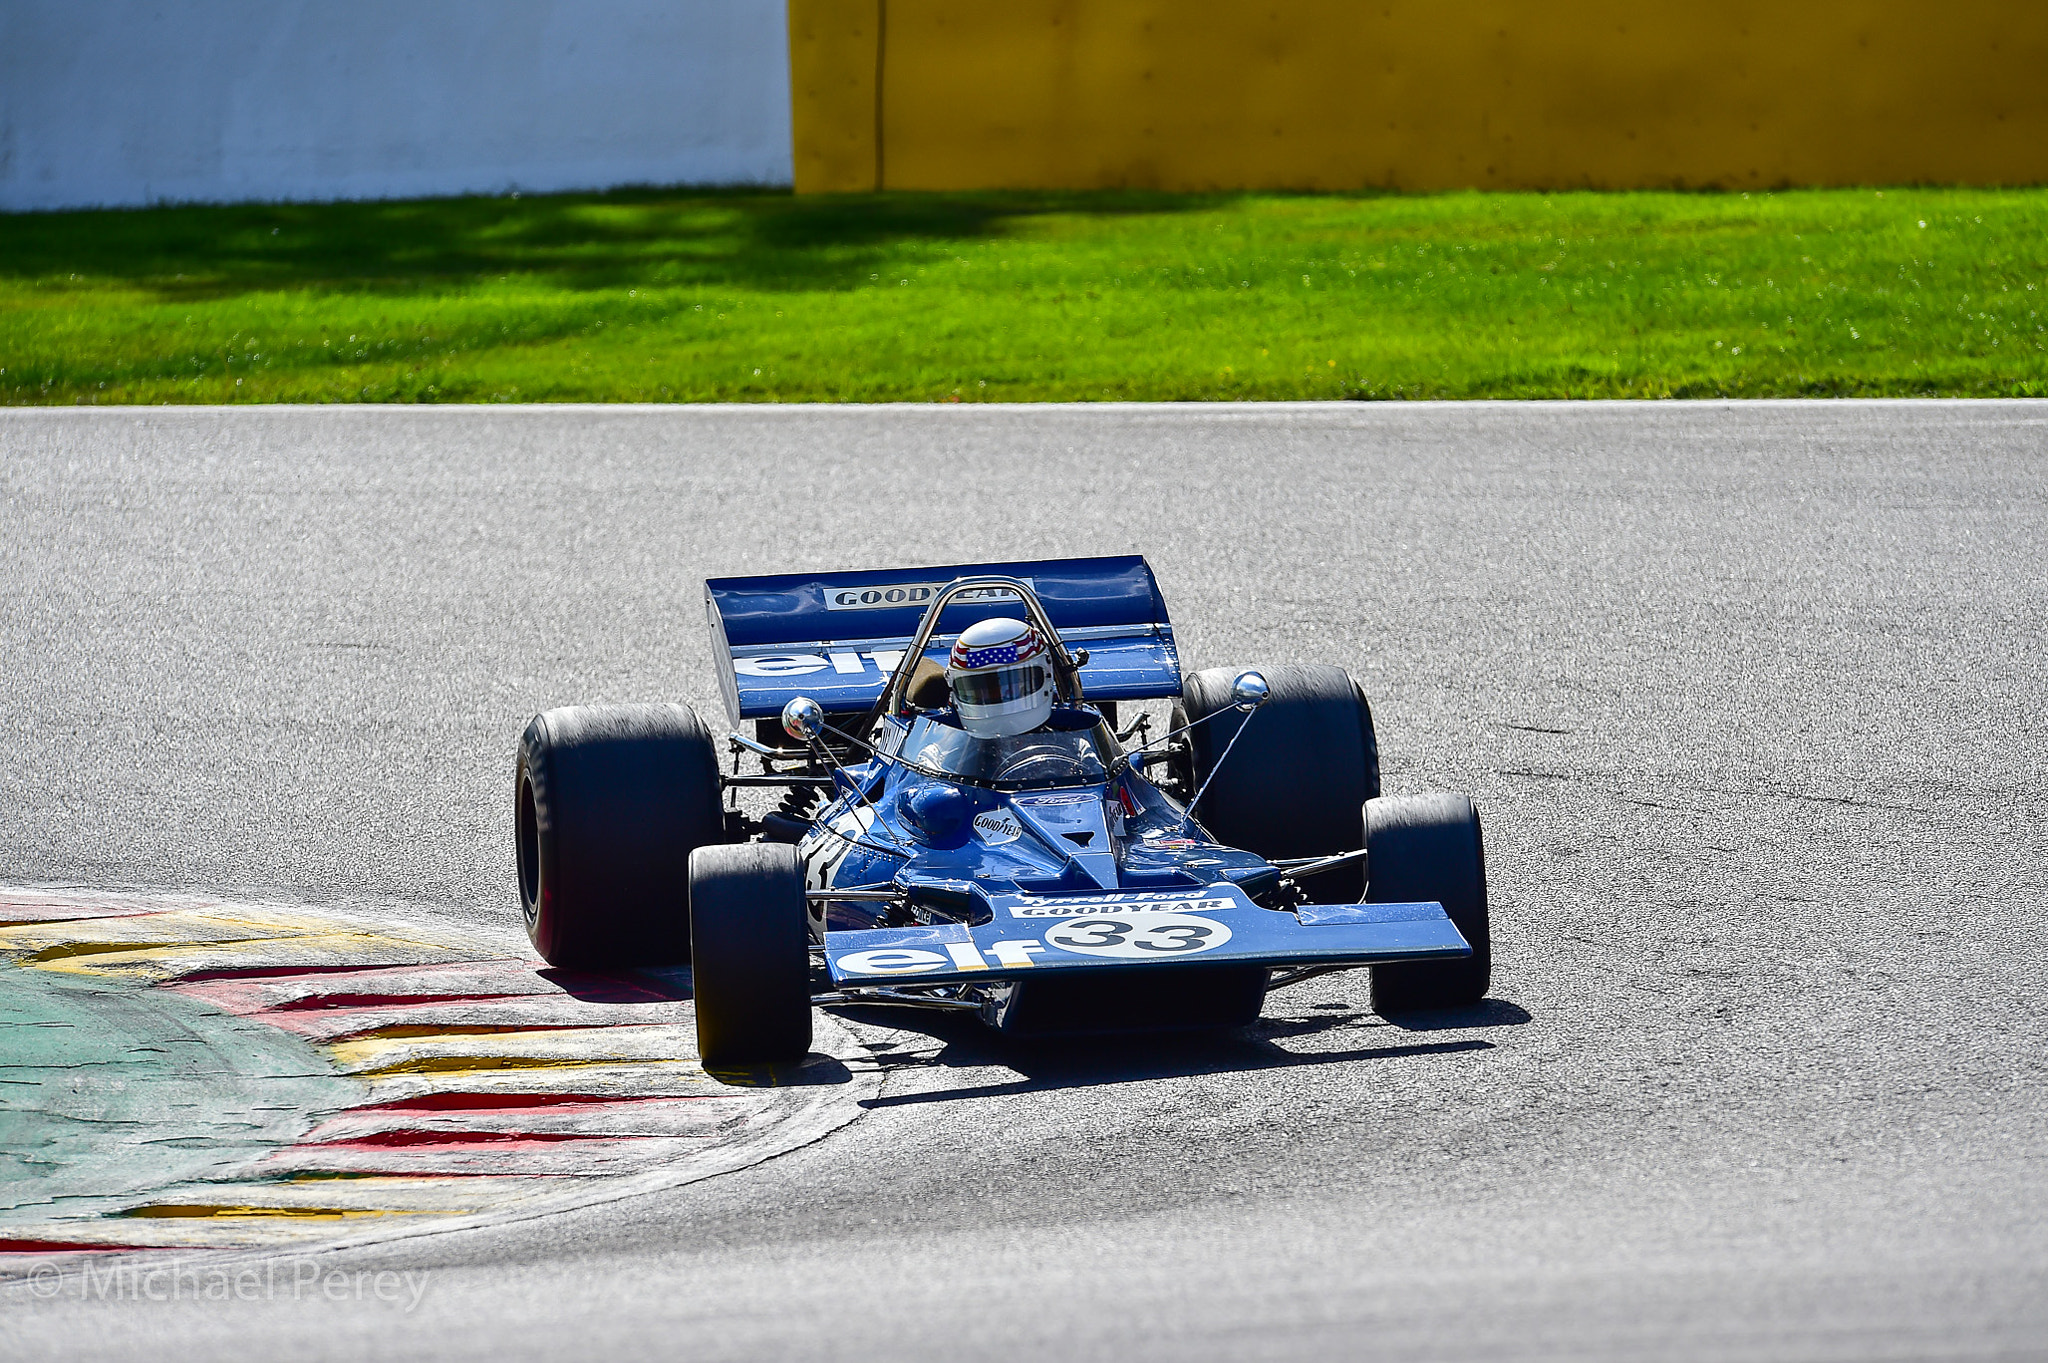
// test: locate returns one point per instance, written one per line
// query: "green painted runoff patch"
(108, 1091)
(674, 296)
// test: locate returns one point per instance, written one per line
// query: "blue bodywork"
(1051, 858)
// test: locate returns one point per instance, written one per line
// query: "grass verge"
(673, 296)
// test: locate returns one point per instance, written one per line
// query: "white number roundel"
(1150, 937)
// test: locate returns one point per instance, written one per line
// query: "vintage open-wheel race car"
(1077, 877)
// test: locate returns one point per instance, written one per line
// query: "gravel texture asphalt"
(1751, 697)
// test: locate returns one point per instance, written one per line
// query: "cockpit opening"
(1073, 747)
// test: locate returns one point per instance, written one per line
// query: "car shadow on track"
(1065, 1062)
(1485, 1013)
(812, 1072)
(1091, 1061)
(647, 984)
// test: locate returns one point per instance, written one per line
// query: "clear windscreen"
(1073, 748)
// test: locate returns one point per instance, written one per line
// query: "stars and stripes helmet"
(1001, 678)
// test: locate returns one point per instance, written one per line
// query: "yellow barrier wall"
(833, 50)
(1332, 94)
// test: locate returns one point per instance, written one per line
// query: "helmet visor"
(1000, 684)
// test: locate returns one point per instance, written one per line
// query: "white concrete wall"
(140, 101)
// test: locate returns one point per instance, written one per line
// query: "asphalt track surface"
(1751, 696)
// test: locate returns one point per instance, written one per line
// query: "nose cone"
(1076, 822)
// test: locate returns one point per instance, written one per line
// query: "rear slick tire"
(1422, 848)
(608, 803)
(1296, 782)
(750, 955)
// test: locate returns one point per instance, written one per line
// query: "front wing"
(1132, 930)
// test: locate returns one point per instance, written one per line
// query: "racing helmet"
(1001, 676)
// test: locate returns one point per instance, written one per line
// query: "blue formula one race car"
(963, 826)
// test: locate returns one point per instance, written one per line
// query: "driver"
(1001, 677)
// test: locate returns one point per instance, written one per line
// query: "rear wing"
(837, 637)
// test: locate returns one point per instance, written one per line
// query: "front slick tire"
(1421, 848)
(750, 955)
(608, 803)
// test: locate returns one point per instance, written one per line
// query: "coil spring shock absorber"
(800, 802)
(790, 820)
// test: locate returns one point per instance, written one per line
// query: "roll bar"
(1066, 666)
